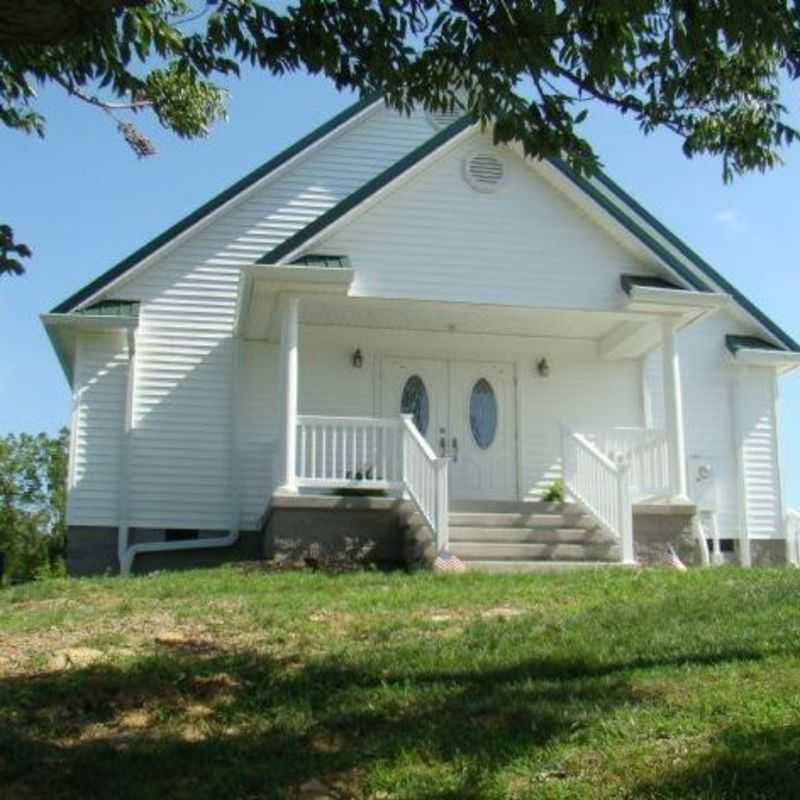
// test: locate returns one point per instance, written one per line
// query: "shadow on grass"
(267, 726)
(743, 763)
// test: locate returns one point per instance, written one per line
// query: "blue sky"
(83, 201)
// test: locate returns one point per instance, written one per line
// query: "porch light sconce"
(357, 358)
(542, 367)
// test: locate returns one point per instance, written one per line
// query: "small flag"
(673, 560)
(447, 562)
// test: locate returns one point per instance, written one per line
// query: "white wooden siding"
(180, 446)
(101, 377)
(436, 238)
(259, 425)
(722, 410)
(759, 454)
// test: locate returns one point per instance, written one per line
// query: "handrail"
(322, 419)
(411, 430)
(355, 452)
(647, 452)
(600, 485)
(426, 482)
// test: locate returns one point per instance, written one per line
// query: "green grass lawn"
(236, 683)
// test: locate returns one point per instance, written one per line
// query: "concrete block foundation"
(656, 527)
(355, 529)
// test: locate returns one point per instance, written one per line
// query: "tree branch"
(43, 23)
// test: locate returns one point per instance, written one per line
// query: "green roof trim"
(212, 205)
(397, 169)
(629, 224)
(628, 282)
(321, 260)
(701, 264)
(737, 343)
(112, 308)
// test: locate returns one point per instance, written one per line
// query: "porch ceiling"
(458, 318)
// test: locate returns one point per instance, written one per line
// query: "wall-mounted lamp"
(542, 367)
(357, 358)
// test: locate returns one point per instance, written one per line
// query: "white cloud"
(730, 219)
(727, 217)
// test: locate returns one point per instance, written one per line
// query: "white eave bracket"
(652, 299)
(781, 360)
(63, 330)
(261, 286)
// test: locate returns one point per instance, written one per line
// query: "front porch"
(434, 435)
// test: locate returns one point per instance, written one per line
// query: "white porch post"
(673, 407)
(289, 319)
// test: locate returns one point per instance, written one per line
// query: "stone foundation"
(656, 527)
(768, 552)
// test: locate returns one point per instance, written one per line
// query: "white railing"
(792, 524)
(600, 485)
(646, 451)
(425, 480)
(357, 452)
(379, 454)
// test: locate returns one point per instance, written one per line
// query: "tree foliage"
(33, 483)
(708, 70)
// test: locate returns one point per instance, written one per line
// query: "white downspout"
(124, 459)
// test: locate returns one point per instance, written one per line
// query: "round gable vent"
(484, 171)
(443, 119)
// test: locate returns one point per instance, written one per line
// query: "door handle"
(455, 448)
(442, 446)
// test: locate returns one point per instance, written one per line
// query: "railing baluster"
(313, 451)
(384, 474)
(324, 465)
(303, 473)
(334, 466)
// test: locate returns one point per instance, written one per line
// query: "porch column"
(673, 407)
(289, 318)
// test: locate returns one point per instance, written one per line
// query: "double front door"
(466, 411)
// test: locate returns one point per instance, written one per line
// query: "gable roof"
(623, 208)
(118, 270)
(690, 255)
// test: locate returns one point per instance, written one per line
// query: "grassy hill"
(238, 683)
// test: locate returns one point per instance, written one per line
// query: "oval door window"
(414, 401)
(483, 413)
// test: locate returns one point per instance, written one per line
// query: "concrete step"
(513, 507)
(496, 519)
(489, 565)
(492, 551)
(530, 535)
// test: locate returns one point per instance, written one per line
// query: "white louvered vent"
(484, 171)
